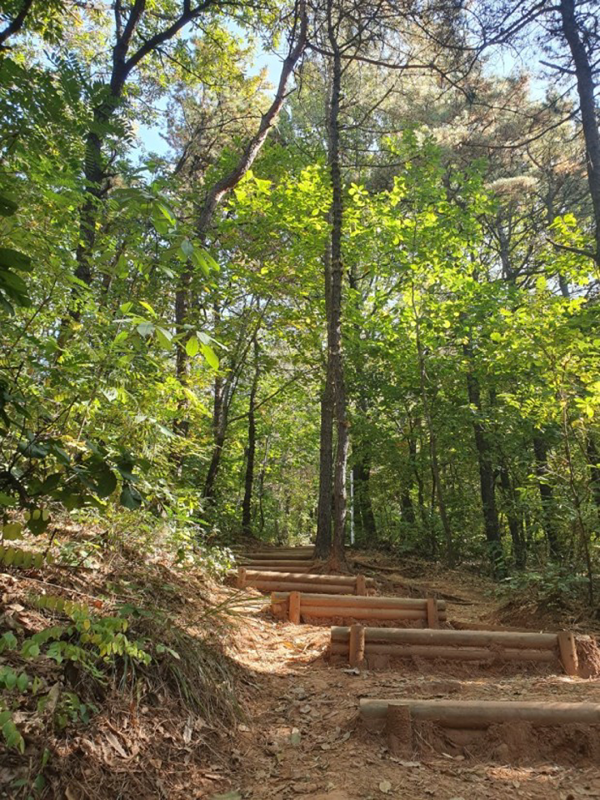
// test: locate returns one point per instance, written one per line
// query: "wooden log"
(357, 645)
(370, 602)
(294, 608)
(568, 652)
(449, 653)
(520, 639)
(361, 585)
(399, 731)
(278, 555)
(266, 570)
(241, 578)
(290, 586)
(433, 617)
(481, 713)
(362, 612)
(311, 577)
(281, 564)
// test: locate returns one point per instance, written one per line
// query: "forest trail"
(303, 740)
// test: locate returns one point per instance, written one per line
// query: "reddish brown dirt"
(303, 738)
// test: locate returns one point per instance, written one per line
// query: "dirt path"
(303, 740)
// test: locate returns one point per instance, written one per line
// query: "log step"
(356, 607)
(307, 583)
(451, 638)
(480, 713)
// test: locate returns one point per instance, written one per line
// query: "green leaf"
(12, 531)
(145, 329)
(130, 498)
(166, 212)
(7, 207)
(210, 355)
(164, 338)
(192, 346)
(106, 481)
(149, 308)
(13, 259)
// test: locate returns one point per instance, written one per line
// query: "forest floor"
(302, 738)
(299, 737)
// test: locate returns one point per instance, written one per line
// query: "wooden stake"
(241, 579)
(568, 652)
(361, 585)
(433, 617)
(294, 608)
(399, 731)
(357, 645)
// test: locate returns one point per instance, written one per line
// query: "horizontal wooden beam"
(522, 639)
(280, 555)
(279, 565)
(313, 577)
(361, 612)
(365, 601)
(296, 586)
(481, 713)
(449, 653)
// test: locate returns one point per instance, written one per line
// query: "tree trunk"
(487, 485)
(220, 414)
(540, 449)
(334, 328)
(515, 522)
(251, 449)
(362, 496)
(436, 479)
(593, 459)
(584, 72)
(323, 541)
(261, 486)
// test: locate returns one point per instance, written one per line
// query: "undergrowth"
(122, 630)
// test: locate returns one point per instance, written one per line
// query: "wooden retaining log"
(313, 577)
(303, 582)
(288, 570)
(374, 601)
(463, 645)
(354, 607)
(450, 653)
(308, 588)
(508, 639)
(480, 713)
(280, 555)
(279, 565)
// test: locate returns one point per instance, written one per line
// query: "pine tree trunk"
(324, 510)
(584, 72)
(487, 484)
(251, 449)
(540, 449)
(362, 496)
(334, 332)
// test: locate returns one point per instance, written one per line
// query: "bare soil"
(303, 740)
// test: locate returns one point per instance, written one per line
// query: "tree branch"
(17, 23)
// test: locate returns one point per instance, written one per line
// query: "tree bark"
(324, 509)
(362, 495)
(251, 449)
(593, 459)
(515, 521)
(436, 478)
(334, 328)
(540, 449)
(487, 485)
(587, 103)
(15, 25)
